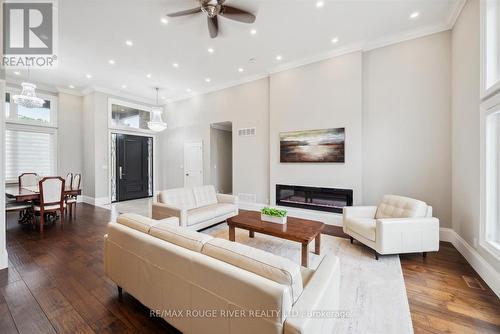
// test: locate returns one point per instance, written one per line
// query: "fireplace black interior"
(313, 198)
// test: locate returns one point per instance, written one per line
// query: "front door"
(132, 168)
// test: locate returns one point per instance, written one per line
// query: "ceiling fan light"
(28, 97)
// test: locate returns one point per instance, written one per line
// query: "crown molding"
(116, 93)
(455, 13)
(69, 91)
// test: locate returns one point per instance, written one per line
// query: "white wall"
(406, 122)
(70, 140)
(3, 246)
(322, 95)
(221, 157)
(88, 175)
(466, 129)
(189, 121)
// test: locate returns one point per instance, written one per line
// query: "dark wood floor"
(57, 284)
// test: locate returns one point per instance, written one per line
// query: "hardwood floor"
(57, 284)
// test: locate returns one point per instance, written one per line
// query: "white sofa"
(398, 225)
(201, 284)
(196, 208)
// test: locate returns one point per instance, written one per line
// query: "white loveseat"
(201, 284)
(398, 225)
(196, 208)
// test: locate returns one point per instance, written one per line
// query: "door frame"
(200, 144)
(155, 160)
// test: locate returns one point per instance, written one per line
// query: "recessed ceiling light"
(279, 57)
(164, 20)
(211, 50)
(253, 31)
(71, 86)
(208, 79)
(124, 86)
(335, 40)
(88, 76)
(175, 65)
(17, 73)
(320, 4)
(240, 69)
(414, 15)
(111, 62)
(188, 90)
(148, 75)
(129, 43)
(163, 97)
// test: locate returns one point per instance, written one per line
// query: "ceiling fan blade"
(237, 14)
(185, 12)
(213, 26)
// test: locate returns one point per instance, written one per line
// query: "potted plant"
(273, 215)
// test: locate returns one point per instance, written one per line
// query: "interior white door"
(193, 164)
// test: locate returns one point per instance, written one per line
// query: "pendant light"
(28, 97)
(156, 124)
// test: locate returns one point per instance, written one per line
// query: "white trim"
(4, 263)
(95, 201)
(455, 13)
(116, 93)
(480, 265)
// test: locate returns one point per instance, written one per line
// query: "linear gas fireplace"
(313, 198)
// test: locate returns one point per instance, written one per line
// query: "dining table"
(32, 193)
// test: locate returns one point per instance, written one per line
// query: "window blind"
(29, 151)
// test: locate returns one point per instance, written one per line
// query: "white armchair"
(398, 225)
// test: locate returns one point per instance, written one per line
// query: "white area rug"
(372, 291)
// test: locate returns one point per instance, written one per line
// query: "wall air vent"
(247, 132)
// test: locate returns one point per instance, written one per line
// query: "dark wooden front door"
(132, 168)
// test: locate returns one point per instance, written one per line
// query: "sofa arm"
(225, 198)
(162, 211)
(359, 212)
(320, 297)
(407, 235)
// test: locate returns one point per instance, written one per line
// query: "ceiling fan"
(214, 8)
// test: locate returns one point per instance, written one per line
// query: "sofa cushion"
(182, 198)
(198, 215)
(136, 222)
(393, 206)
(224, 208)
(270, 266)
(365, 227)
(179, 236)
(204, 195)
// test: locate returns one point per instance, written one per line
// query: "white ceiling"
(94, 31)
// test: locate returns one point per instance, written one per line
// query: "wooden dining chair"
(71, 200)
(28, 180)
(69, 179)
(51, 199)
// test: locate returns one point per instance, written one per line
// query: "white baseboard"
(95, 201)
(483, 268)
(328, 218)
(4, 259)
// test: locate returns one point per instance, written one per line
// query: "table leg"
(305, 255)
(231, 233)
(317, 244)
(251, 234)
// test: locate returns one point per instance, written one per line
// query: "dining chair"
(51, 199)
(69, 179)
(71, 200)
(28, 180)
(22, 207)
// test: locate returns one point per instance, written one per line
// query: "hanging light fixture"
(28, 97)
(156, 124)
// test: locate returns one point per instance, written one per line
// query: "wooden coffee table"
(296, 229)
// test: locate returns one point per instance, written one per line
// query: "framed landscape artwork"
(325, 145)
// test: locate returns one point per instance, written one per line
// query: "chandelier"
(28, 97)
(156, 124)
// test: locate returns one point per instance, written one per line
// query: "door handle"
(121, 172)
(187, 174)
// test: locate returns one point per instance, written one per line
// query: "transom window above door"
(129, 116)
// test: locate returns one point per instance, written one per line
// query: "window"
(30, 138)
(44, 116)
(491, 45)
(129, 117)
(29, 150)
